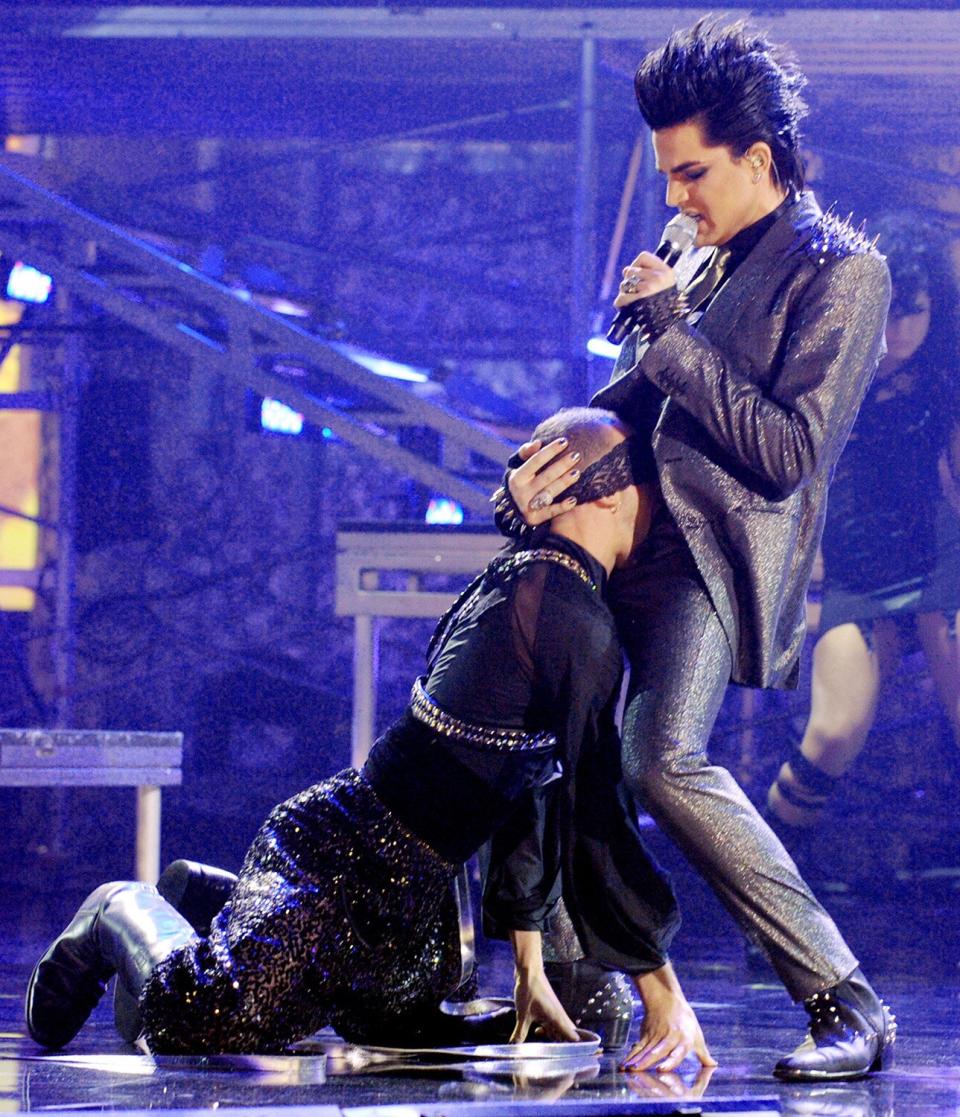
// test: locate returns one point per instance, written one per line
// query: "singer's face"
(710, 185)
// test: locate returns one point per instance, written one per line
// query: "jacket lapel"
(744, 288)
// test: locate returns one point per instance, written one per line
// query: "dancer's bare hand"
(538, 485)
(669, 1033)
(670, 1030)
(538, 1004)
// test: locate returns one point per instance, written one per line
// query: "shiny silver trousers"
(680, 664)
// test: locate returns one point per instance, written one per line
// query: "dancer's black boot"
(851, 1034)
(124, 927)
(198, 892)
(594, 998)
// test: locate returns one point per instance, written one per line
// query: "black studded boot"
(852, 1033)
(594, 998)
(124, 927)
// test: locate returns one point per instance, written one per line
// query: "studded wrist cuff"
(507, 515)
(655, 313)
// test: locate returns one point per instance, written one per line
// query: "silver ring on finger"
(540, 501)
(631, 285)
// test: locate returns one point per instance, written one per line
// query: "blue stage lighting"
(443, 510)
(277, 417)
(28, 285)
(600, 347)
(381, 366)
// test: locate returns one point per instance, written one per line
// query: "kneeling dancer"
(343, 912)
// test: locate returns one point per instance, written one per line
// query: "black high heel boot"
(852, 1033)
(124, 927)
(594, 998)
(198, 892)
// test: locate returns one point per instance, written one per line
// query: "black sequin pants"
(340, 917)
(679, 669)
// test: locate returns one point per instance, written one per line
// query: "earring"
(757, 166)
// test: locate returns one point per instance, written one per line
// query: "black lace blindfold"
(615, 471)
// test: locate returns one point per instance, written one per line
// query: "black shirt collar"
(741, 245)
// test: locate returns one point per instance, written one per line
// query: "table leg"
(366, 656)
(148, 834)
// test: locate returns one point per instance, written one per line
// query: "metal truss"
(101, 265)
(834, 29)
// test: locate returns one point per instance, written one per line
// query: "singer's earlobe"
(761, 160)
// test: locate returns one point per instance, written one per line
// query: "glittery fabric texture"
(761, 396)
(679, 665)
(340, 917)
(561, 943)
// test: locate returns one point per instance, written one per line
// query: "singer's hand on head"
(648, 274)
(546, 472)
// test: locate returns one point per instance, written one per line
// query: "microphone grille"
(680, 231)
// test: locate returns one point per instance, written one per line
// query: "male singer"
(749, 380)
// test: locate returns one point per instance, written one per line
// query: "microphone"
(677, 238)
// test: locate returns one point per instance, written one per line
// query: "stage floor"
(748, 1020)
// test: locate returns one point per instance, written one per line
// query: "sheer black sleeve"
(522, 867)
(620, 901)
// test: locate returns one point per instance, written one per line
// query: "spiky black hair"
(740, 88)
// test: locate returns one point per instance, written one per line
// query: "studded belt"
(425, 710)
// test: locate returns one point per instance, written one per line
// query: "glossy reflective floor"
(908, 939)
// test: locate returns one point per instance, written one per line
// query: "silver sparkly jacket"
(761, 396)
